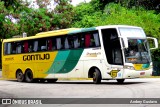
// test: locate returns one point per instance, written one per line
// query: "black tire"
(51, 80)
(120, 81)
(29, 76)
(20, 76)
(96, 76)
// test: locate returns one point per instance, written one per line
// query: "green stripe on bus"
(82, 30)
(145, 66)
(88, 29)
(74, 31)
(59, 61)
(65, 61)
(71, 61)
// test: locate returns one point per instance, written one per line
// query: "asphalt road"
(132, 88)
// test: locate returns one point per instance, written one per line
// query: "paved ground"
(132, 88)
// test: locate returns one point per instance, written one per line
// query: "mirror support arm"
(155, 42)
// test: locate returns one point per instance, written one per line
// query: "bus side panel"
(7, 70)
(41, 66)
(92, 57)
(65, 64)
(33, 61)
(77, 72)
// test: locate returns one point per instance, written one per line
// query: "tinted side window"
(7, 48)
(79, 40)
(35, 45)
(92, 39)
(42, 44)
(76, 41)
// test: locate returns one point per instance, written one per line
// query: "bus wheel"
(29, 76)
(19, 76)
(120, 81)
(51, 80)
(96, 76)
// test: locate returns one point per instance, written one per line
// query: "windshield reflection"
(137, 51)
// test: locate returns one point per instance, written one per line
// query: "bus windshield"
(137, 51)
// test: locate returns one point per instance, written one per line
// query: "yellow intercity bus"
(105, 52)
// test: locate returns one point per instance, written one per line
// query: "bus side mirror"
(155, 42)
(124, 42)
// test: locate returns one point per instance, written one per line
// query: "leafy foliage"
(121, 13)
(64, 13)
(147, 4)
(7, 27)
(17, 16)
(117, 14)
(155, 55)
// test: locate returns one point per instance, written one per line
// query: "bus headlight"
(128, 67)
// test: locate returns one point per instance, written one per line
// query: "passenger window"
(70, 42)
(92, 40)
(18, 47)
(87, 40)
(76, 42)
(7, 48)
(42, 44)
(66, 44)
(25, 46)
(54, 47)
(82, 42)
(30, 46)
(35, 45)
(58, 43)
(96, 39)
(49, 44)
(13, 48)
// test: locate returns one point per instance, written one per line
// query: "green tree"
(147, 4)
(63, 13)
(11, 4)
(7, 28)
(45, 19)
(117, 14)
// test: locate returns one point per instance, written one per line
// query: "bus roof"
(43, 34)
(66, 31)
(117, 26)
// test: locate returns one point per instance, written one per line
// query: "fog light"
(128, 67)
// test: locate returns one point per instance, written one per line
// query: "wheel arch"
(91, 71)
(30, 70)
(29, 75)
(27, 70)
(17, 71)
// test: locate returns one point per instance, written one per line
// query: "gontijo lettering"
(36, 57)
